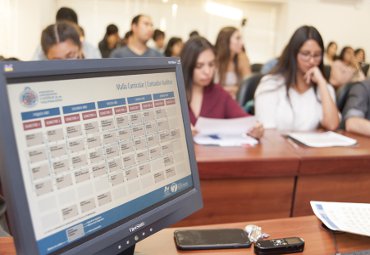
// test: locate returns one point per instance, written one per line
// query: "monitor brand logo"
(137, 226)
(28, 97)
(173, 187)
(172, 62)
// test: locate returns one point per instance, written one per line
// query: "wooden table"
(317, 239)
(340, 174)
(244, 183)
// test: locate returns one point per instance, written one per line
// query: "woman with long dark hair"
(205, 98)
(295, 95)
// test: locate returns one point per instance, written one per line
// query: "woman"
(330, 53)
(205, 98)
(231, 61)
(296, 96)
(174, 47)
(61, 41)
(345, 69)
(110, 41)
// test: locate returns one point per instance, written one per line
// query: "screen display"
(96, 150)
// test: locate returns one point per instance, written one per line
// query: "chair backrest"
(327, 70)
(342, 95)
(248, 87)
(256, 68)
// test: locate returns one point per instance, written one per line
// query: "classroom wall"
(270, 22)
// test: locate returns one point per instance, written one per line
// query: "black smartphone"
(202, 239)
(279, 246)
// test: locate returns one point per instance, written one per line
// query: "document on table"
(347, 217)
(225, 132)
(324, 139)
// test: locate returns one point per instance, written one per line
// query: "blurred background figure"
(193, 33)
(361, 60)
(110, 41)
(330, 53)
(159, 40)
(231, 61)
(174, 47)
(345, 69)
(61, 41)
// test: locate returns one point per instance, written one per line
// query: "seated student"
(231, 60)
(141, 32)
(295, 96)
(205, 98)
(345, 69)
(61, 41)
(68, 14)
(330, 53)
(174, 47)
(356, 112)
(110, 41)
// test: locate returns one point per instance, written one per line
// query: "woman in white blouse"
(295, 96)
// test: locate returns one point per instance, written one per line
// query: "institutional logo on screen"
(28, 97)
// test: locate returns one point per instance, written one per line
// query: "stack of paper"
(347, 217)
(225, 132)
(325, 139)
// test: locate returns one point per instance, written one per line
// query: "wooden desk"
(317, 239)
(245, 183)
(339, 174)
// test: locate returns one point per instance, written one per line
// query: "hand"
(193, 130)
(257, 131)
(314, 75)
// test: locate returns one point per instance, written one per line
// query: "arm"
(244, 65)
(358, 125)
(330, 119)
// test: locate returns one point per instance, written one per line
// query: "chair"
(327, 70)
(246, 92)
(256, 68)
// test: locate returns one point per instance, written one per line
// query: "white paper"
(209, 126)
(225, 132)
(347, 217)
(325, 139)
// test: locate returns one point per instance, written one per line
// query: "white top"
(303, 112)
(231, 79)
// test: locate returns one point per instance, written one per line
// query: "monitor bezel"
(12, 181)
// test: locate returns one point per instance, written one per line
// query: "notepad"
(225, 132)
(347, 217)
(325, 139)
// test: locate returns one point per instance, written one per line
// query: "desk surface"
(317, 239)
(273, 156)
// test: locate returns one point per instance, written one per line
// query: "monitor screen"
(97, 154)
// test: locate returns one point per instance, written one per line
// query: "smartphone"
(202, 239)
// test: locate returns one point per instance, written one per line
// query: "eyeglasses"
(306, 56)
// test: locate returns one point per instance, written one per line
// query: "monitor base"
(128, 251)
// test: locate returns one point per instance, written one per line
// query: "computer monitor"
(96, 154)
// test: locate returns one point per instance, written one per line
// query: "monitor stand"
(128, 251)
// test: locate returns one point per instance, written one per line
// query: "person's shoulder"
(121, 52)
(270, 82)
(154, 53)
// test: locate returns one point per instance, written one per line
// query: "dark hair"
(189, 56)
(59, 32)
(343, 51)
(193, 33)
(170, 44)
(223, 53)
(111, 30)
(287, 64)
(135, 20)
(158, 33)
(65, 13)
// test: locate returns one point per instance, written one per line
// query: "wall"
(270, 22)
